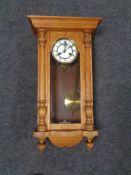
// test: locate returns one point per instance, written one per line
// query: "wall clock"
(65, 86)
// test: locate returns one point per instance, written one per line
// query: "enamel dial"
(65, 51)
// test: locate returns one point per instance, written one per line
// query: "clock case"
(48, 30)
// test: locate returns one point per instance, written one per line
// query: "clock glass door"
(65, 84)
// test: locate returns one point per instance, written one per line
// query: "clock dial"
(65, 51)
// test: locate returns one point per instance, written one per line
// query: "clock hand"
(65, 46)
(68, 46)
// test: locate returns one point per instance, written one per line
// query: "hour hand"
(65, 47)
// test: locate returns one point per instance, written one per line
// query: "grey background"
(112, 90)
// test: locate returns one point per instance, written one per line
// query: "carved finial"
(89, 144)
(41, 145)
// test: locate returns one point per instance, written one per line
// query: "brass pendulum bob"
(72, 102)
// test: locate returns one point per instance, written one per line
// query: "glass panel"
(65, 92)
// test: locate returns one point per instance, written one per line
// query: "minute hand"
(69, 46)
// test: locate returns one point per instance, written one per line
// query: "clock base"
(66, 138)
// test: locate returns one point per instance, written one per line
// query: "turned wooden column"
(88, 103)
(41, 96)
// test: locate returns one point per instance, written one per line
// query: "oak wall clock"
(65, 86)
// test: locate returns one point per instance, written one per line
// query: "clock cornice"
(68, 23)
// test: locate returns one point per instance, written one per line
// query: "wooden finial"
(41, 145)
(89, 144)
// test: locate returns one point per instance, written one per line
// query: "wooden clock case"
(48, 30)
